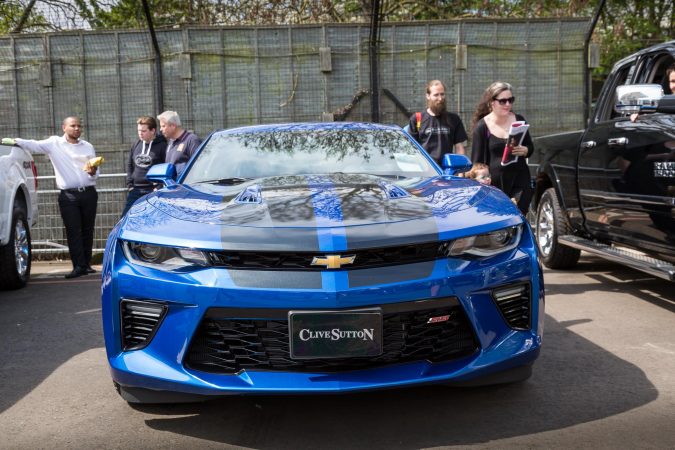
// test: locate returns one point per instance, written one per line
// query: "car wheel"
(551, 223)
(16, 254)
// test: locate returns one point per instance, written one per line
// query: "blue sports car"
(317, 258)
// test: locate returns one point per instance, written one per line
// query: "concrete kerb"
(56, 269)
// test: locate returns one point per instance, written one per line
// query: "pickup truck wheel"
(16, 254)
(550, 224)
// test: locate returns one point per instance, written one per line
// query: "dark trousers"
(78, 210)
(134, 194)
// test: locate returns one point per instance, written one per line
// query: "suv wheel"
(551, 223)
(16, 254)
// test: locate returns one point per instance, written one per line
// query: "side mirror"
(162, 173)
(636, 98)
(454, 164)
(666, 104)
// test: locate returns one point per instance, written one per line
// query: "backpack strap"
(418, 119)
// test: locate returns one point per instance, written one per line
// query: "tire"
(550, 224)
(15, 256)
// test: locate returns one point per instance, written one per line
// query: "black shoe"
(77, 272)
(91, 269)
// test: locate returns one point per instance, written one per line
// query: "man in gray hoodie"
(150, 149)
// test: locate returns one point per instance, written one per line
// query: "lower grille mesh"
(515, 305)
(140, 320)
(223, 345)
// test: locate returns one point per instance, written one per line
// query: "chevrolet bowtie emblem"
(333, 261)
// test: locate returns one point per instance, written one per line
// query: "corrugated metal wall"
(225, 77)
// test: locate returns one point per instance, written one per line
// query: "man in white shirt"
(76, 179)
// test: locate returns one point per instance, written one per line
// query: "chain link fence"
(224, 77)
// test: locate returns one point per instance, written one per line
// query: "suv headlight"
(164, 258)
(487, 244)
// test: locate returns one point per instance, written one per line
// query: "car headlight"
(487, 244)
(164, 258)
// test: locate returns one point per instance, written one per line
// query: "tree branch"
(24, 17)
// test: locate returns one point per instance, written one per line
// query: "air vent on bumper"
(140, 320)
(515, 304)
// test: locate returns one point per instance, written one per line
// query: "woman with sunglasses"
(491, 123)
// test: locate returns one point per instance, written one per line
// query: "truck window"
(658, 72)
(606, 108)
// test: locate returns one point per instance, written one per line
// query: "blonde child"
(481, 173)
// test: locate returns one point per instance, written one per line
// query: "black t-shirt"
(438, 134)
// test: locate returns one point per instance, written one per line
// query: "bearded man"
(438, 130)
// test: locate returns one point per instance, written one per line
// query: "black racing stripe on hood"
(282, 222)
(276, 280)
(392, 222)
(392, 234)
(269, 239)
(391, 274)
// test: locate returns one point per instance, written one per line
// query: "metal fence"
(224, 77)
(49, 235)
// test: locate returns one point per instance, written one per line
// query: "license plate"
(335, 334)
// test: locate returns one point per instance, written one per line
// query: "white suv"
(18, 212)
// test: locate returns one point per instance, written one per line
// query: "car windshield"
(234, 157)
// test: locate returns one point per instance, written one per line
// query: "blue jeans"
(135, 194)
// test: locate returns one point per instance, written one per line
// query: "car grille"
(515, 304)
(227, 345)
(140, 320)
(365, 258)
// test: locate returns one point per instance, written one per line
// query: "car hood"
(326, 212)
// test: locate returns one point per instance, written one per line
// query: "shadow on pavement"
(607, 276)
(575, 381)
(41, 327)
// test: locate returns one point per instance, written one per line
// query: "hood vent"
(393, 191)
(251, 194)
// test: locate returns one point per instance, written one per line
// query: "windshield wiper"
(391, 176)
(228, 181)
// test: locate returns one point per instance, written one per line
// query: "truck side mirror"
(637, 98)
(666, 104)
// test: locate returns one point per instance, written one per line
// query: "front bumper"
(161, 364)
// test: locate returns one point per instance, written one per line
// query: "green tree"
(624, 26)
(627, 26)
(18, 16)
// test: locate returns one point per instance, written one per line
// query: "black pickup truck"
(610, 189)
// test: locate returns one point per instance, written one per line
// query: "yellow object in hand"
(95, 162)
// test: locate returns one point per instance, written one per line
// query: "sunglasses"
(504, 101)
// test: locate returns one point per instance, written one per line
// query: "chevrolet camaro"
(318, 258)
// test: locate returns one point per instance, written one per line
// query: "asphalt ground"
(605, 380)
